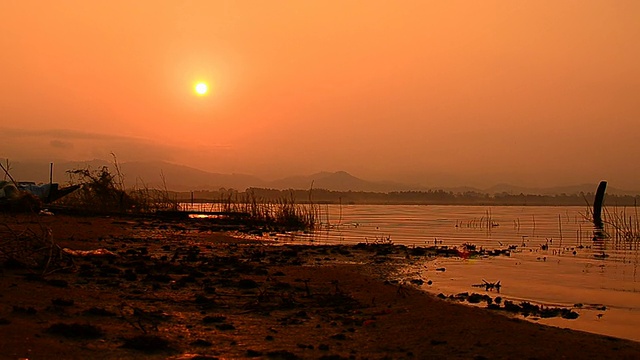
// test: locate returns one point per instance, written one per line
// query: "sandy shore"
(181, 291)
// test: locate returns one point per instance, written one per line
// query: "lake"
(556, 262)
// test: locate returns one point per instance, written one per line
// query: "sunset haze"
(438, 93)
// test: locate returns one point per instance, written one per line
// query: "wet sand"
(179, 290)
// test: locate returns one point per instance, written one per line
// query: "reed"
(623, 227)
(104, 191)
(620, 226)
(101, 192)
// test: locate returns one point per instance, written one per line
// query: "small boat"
(46, 193)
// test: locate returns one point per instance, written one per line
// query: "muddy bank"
(177, 290)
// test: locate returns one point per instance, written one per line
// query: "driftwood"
(33, 250)
(488, 286)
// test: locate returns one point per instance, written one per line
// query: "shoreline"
(233, 298)
(604, 310)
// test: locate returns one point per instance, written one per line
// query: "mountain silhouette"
(157, 174)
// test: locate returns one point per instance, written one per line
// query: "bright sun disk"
(201, 88)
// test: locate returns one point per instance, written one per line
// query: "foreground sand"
(178, 290)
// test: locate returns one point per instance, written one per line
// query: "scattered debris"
(524, 308)
(90, 253)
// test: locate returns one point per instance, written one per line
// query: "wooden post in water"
(598, 233)
(597, 205)
(560, 227)
(534, 224)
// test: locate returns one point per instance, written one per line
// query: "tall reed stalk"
(622, 227)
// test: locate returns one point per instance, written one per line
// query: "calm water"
(556, 262)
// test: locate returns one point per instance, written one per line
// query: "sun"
(201, 88)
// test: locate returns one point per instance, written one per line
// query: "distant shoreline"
(438, 197)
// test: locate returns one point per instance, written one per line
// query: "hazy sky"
(432, 92)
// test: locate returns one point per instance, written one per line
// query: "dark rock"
(568, 314)
(253, 353)
(511, 307)
(214, 319)
(95, 311)
(225, 327)
(25, 310)
(62, 302)
(201, 343)
(247, 284)
(147, 343)
(129, 275)
(201, 299)
(78, 331)
(282, 355)
(58, 283)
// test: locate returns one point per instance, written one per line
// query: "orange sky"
(433, 92)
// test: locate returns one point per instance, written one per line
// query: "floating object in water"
(488, 286)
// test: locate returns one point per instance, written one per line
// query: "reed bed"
(104, 192)
(283, 213)
(622, 225)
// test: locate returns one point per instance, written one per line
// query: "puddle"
(579, 284)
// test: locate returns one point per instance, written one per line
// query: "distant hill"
(177, 177)
(336, 181)
(184, 178)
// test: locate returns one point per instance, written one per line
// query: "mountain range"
(183, 178)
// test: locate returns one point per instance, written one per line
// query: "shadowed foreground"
(178, 290)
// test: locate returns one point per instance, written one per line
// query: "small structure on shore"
(28, 194)
(44, 193)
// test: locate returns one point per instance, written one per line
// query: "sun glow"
(201, 88)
